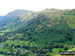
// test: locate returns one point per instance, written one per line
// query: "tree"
(66, 48)
(18, 46)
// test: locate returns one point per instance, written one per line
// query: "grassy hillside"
(39, 33)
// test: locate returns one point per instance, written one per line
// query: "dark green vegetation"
(44, 33)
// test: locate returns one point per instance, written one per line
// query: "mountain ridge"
(45, 32)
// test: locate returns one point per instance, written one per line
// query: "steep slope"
(45, 32)
(49, 26)
(15, 18)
